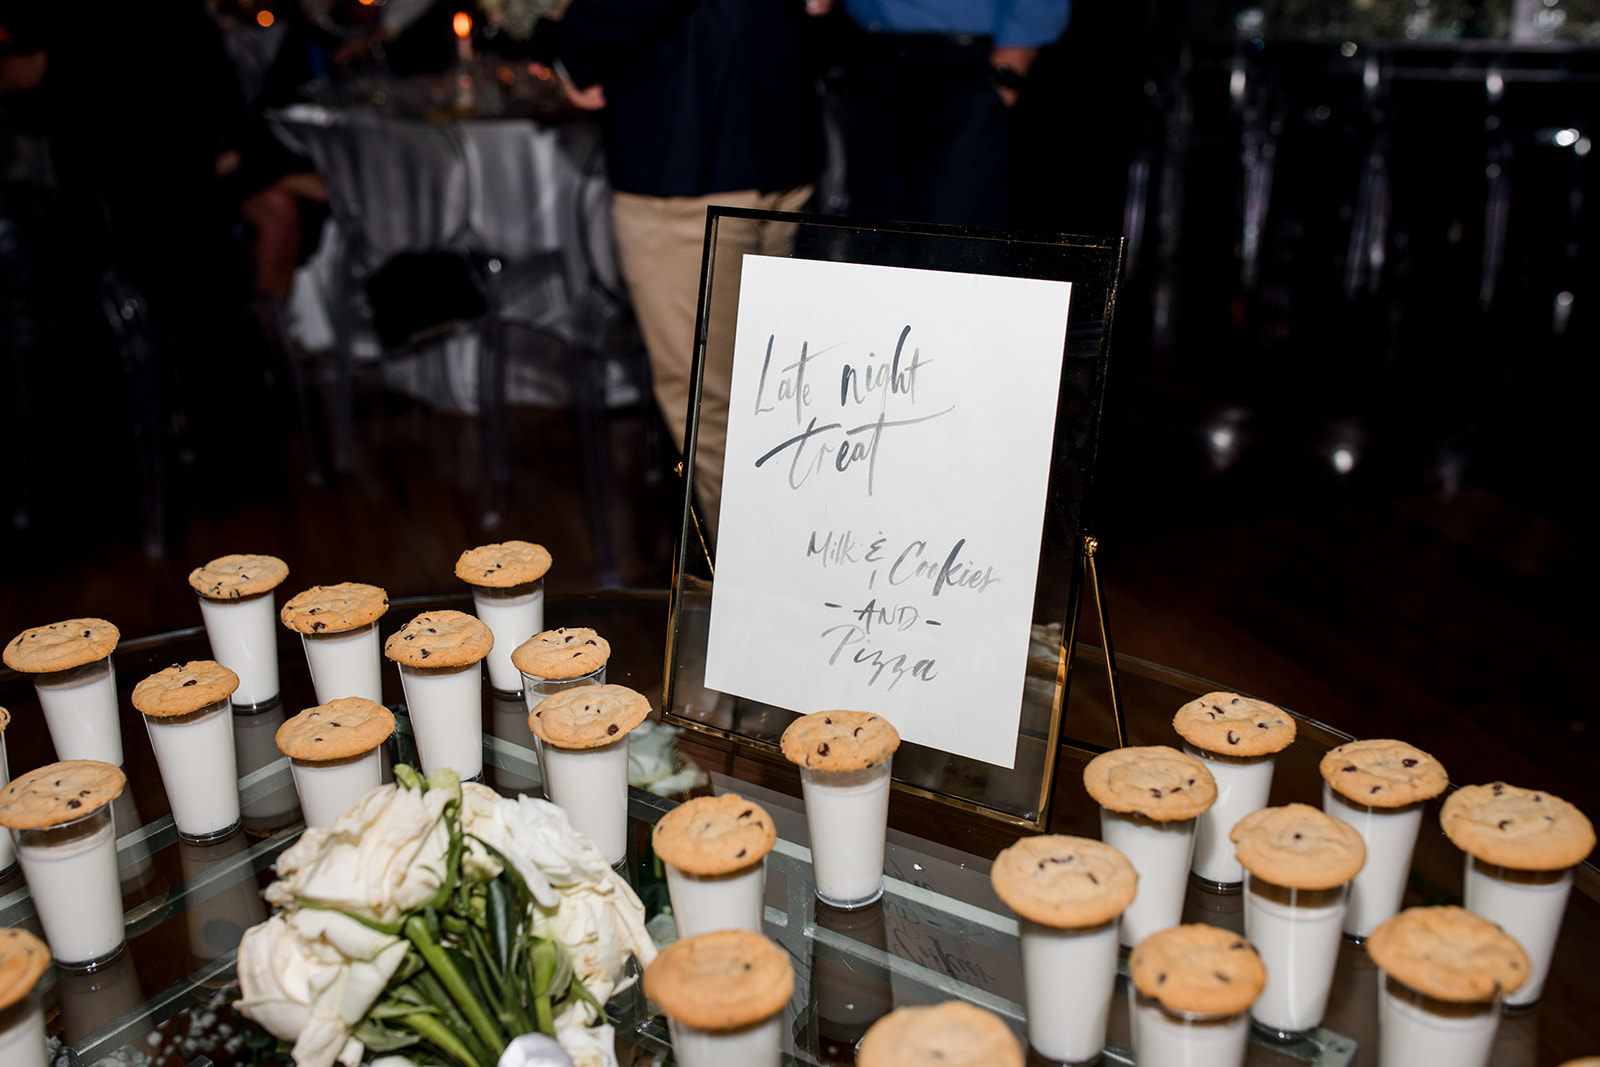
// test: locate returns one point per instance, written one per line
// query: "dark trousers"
(927, 137)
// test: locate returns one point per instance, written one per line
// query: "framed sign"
(888, 457)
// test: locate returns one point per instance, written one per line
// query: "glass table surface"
(938, 933)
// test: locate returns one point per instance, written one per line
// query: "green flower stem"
(432, 1029)
(544, 969)
(442, 967)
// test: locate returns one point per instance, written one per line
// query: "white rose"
(536, 836)
(589, 1046)
(599, 925)
(307, 976)
(380, 859)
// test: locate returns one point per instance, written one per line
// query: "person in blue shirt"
(930, 89)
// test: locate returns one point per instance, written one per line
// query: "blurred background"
(336, 282)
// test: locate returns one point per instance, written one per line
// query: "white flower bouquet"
(439, 921)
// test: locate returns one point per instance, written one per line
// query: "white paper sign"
(890, 434)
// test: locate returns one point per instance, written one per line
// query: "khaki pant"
(660, 241)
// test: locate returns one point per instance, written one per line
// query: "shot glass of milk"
(189, 717)
(1193, 989)
(1149, 799)
(60, 820)
(724, 995)
(236, 604)
(334, 754)
(507, 581)
(338, 628)
(1521, 846)
(1298, 865)
(1238, 739)
(1445, 971)
(23, 961)
(1068, 893)
(76, 683)
(715, 853)
(439, 654)
(1380, 787)
(584, 735)
(845, 760)
(559, 659)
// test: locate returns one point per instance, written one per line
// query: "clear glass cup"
(195, 756)
(329, 788)
(703, 903)
(1243, 786)
(8, 854)
(446, 709)
(847, 820)
(757, 1045)
(243, 632)
(1414, 1028)
(1074, 966)
(591, 784)
(80, 709)
(513, 614)
(1390, 835)
(71, 870)
(1160, 852)
(535, 689)
(1528, 905)
(22, 1036)
(1297, 933)
(346, 663)
(1187, 1039)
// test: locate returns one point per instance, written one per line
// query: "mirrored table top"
(938, 933)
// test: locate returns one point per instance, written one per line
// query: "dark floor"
(1426, 593)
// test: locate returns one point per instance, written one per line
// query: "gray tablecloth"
(509, 187)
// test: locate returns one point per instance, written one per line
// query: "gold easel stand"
(1091, 578)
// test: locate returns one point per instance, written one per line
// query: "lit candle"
(462, 24)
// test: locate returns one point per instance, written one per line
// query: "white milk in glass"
(195, 756)
(702, 903)
(446, 708)
(1068, 976)
(244, 638)
(1243, 785)
(1160, 852)
(535, 689)
(330, 788)
(1529, 906)
(591, 784)
(1297, 933)
(22, 1038)
(1418, 1031)
(750, 1046)
(513, 615)
(80, 709)
(1390, 834)
(71, 872)
(847, 816)
(346, 664)
(1164, 1039)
